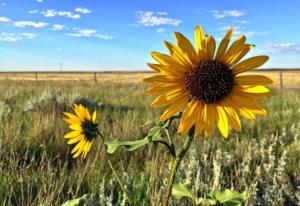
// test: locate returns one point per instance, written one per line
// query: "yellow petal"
(173, 109)
(222, 122)
(76, 148)
(161, 79)
(94, 117)
(72, 134)
(163, 88)
(76, 127)
(233, 118)
(239, 54)
(186, 46)
(210, 48)
(72, 121)
(249, 64)
(188, 117)
(72, 116)
(164, 100)
(167, 70)
(253, 80)
(75, 139)
(80, 150)
(199, 40)
(168, 61)
(199, 123)
(239, 42)
(224, 44)
(179, 55)
(255, 89)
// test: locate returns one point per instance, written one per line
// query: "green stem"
(114, 172)
(175, 165)
(118, 180)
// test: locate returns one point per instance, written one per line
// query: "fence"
(283, 78)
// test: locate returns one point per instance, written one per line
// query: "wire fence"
(283, 78)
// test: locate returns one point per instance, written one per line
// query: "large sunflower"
(85, 130)
(205, 83)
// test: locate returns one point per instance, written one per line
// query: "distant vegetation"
(37, 169)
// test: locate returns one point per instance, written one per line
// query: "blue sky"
(119, 35)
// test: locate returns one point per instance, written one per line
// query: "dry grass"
(290, 79)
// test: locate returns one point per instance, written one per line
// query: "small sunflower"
(205, 83)
(85, 130)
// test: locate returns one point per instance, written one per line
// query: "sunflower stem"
(114, 171)
(175, 165)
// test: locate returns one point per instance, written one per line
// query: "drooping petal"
(173, 109)
(222, 122)
(163, 88)
(249, 64)
(75, 139)
(80, 150)
(164, 100)
(188, 117)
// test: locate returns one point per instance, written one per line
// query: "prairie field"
(36, 167)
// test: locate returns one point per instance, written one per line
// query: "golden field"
(284, 78)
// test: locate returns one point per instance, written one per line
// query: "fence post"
(36, 76)
(281, 80)
(95, 77)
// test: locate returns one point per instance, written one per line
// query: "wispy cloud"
(57, 27)
(289, 47)
(238, 31)
(40, 1)
(52, 13)
(160, 30)
(150, 18)
(226, 13)
(30, 24)
(83, 10)
(33, 11)
(4, 19)
(241, 21)
(90, 33)
(11, 37)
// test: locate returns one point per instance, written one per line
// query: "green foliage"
(218, 197)
(36, 166)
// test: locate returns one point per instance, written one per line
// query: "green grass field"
(36, 168)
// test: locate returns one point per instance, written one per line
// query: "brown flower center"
(209, 82)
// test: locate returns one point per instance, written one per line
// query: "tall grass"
(36, 167)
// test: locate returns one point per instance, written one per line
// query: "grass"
(36, 168)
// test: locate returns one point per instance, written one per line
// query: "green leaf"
(128, 145)
(179, 191)
(85, 200)
(154, 134)
(228, 197)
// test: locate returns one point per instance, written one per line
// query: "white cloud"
(150, 18)
(30, 24)
(11, 37)
(290, 48)
(33, 11)
(227, 13)
(90, 33)
(241, 21)
(4, 19)
(83, 10)
(57, 27)
(161, 30)
(52, 13)
(40, 1)
(256, 33)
